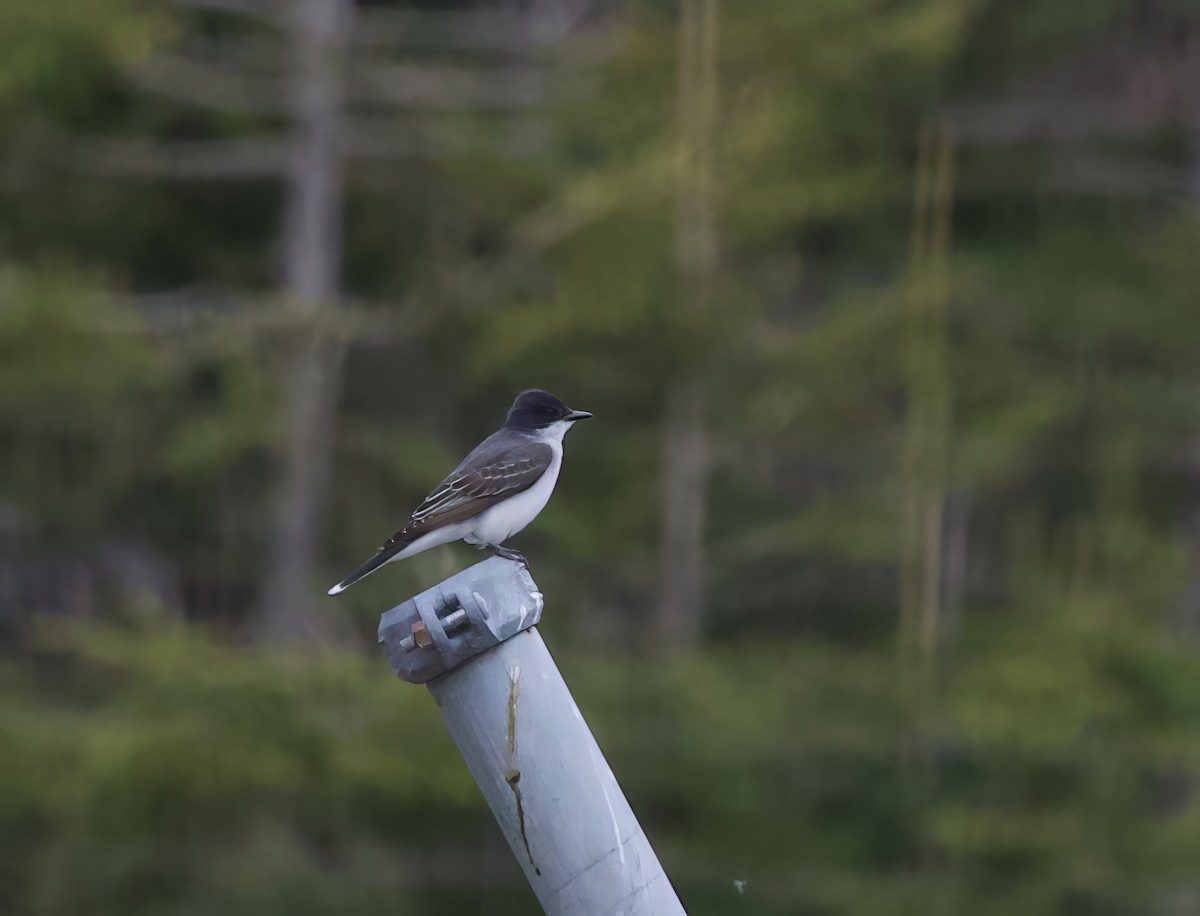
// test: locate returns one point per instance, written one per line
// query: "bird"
(498, 489)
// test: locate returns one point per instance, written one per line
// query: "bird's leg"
(509, 554)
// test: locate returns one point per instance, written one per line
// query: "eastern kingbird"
(497, 490)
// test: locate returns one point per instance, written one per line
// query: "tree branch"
(270, 12)
(209, 85)
(199, 160)
(418, 85)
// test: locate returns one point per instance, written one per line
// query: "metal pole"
(472, 640)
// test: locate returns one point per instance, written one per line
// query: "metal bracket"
(459, 618)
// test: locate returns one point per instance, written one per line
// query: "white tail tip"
(336, 590)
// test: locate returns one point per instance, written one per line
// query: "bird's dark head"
(537, 409)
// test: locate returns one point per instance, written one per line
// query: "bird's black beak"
(578, 415)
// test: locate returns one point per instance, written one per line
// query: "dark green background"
(1040, 758)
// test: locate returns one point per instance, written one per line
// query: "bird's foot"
(509, 554)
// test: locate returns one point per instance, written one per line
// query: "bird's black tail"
(365, 570)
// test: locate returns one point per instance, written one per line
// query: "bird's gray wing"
(500, 467)
(493, 472)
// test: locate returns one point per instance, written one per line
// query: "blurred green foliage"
(1047, 763)
(153, 771)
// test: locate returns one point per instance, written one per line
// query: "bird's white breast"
(506, 518)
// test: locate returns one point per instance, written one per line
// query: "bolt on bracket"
(465, 615)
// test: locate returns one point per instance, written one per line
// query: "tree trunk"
(685, 491)
(1187, 616)
(685, 450)
(926, 434)
(311, 250)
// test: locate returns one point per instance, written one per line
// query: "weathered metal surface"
(552, 792)
(526, 743)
